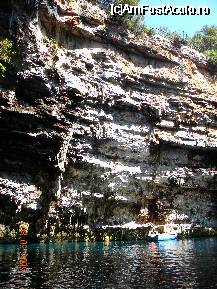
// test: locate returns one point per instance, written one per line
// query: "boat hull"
(162, 237)
(165, 237)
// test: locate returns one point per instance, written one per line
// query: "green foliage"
(7, 54)
(206, 38)
(206, 41)
(212, 54)
(134, 23)
(2, 69)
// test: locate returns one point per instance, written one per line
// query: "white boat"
(166, 236)
(155, 235)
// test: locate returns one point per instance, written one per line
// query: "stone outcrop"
(99, 127)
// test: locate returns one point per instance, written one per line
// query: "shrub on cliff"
(206, 41)
(7, 53)
(175, 37)
(212, 54)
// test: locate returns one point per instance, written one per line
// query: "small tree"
(206, 41)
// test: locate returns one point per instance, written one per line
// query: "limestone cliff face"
(101, 128)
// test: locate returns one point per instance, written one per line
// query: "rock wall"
(100, 128)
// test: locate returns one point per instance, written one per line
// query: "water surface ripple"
(119, 265)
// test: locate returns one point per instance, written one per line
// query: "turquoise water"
(125, 265)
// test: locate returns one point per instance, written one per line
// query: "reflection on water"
(169, 264)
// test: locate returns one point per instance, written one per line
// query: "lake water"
(125, 265)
